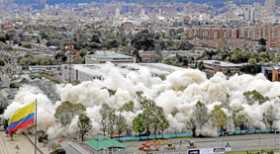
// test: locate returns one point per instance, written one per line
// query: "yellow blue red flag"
(22, 118)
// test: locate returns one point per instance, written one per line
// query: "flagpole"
(35, 142)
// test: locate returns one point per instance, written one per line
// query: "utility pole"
(36, 119)
(274, 139)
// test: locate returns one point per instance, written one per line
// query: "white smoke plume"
(179, 92)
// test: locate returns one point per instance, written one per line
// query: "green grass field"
(255, 152)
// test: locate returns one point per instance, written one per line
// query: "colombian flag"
(22, 118)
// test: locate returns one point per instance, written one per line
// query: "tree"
(129, 106)
(112, 118)
(151, 119)
(66, 111)
(239, 56)
(219, 117)
(264, 57)
(95, 42)
(209, 54)
(138, 123)
(3, 103)
(163, 122)
(111, 43)
(252, 61)
(83, 52)
(255, 96)
(108, 120)
(104, 114)
(84, 125)
(199, 117)
(269, 116)
(121, 124)
(9, 68)
(241, 119)
(2, 37)
(143, 40)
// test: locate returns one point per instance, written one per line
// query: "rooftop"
(154, 68)
(108, 54)
(102, 143)
(223, 63)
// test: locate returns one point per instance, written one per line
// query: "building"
(44, 68)
(272, 73)
(149, 56)
(107, 56)
(4, 81)
(89, 72)
(270, 5)
(214, 66)
(239, 37)
(250, 14)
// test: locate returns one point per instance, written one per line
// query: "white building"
(108, 56)
(249, 14)
(88, 72)
(270, 5)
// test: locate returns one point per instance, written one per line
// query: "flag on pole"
(22, 118)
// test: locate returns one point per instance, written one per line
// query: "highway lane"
(246, 142)
(238, 143)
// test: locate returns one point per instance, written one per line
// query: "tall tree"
(269, 116)
(143, 40)
(84, 125)
(108, 120)
(241, 119)
(121, 124)
(104, 116)
(219, 117)
(138, 123)
(67, 111)
(151, 119)
(199, 117)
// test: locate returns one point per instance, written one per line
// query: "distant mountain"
(210, 2)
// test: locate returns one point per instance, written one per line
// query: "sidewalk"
(20, 145)
(3, 148)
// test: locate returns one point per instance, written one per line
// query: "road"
(238, 143)
(246, 142)
(73, 148)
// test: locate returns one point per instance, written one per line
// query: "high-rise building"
(117, 12)
(270, 5)
(250, 14)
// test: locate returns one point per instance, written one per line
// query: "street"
(238, 143)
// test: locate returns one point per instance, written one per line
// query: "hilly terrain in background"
(210, 2)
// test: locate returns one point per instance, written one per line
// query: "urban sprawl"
(135, 77)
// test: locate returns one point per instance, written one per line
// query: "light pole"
(274, 137)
